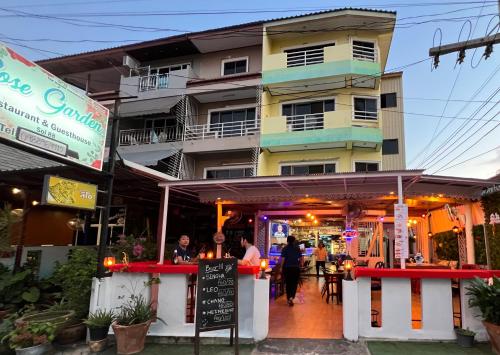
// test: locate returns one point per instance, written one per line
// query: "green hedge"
(446, 245)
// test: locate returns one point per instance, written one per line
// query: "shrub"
(486, 296)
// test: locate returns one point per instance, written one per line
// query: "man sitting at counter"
(182, 253)
(252, 254)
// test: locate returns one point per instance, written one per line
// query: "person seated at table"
(252, 254)
(321, 254)
(219, 249)
(182, 253)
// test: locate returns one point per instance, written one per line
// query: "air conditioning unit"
(130, 62)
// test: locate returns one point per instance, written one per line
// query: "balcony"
(334, 129)
(130, 137)
(238, 135)
(344, 61)
(153, 82)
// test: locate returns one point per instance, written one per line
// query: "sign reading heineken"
(58, 191)
(39, 110)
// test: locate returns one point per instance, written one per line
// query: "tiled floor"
(313, 319)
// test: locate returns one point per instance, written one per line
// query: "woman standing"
(291, 260)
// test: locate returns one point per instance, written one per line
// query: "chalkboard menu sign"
(217, 297)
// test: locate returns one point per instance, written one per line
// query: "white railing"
(221, 130)
(305, 57)
(149, 136)
(153, 82)
(305, 122)
(365, 53)
(365, 115)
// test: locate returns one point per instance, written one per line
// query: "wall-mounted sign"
(39, 110)
(400, 231)
(58, 191)
(348, 234)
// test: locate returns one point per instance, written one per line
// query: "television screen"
(279, 230)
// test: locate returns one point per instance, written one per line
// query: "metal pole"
(103, 236)
(400, 201)
(163, 224)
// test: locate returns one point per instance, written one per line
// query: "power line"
(467, 160)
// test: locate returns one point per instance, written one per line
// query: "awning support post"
(162, 224)
(400, 201)
(469, 237)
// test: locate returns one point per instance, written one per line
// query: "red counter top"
(426, 273)
(152, 267)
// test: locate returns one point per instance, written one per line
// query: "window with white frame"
(297, 57)
(157, 78)
(234, 66)
(318, 168)
(228, 172)
(365, 108)
(305, 116)
(364, 166)
(364, 50)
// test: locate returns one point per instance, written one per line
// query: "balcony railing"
(365, 53)
(305, 122)
(222, 130)
(365, 115)
(153, 82)
(150, 136)
(305, 57)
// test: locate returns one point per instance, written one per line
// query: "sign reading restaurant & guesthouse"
(39, 110)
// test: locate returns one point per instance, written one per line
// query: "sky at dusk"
(451, 113)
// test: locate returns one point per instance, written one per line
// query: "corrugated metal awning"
(148, 107)
(12, 159)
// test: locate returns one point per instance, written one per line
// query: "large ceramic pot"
(34, 350)
(71, 334)
(130, 339)
(494, 334)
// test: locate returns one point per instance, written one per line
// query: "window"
(232, 122)
(234, 66)
(364, 50)
(365, 108)
(308, 169)
(365, 166)
(390, 146)
(157, 78)
(304, 116)
(228, 173)
(388, 100)
(306, 55)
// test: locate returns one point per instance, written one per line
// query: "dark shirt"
(292, 255)
(186, 254)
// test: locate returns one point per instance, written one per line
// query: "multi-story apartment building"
(298, 95)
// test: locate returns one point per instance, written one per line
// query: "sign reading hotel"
(39, 110)
(400, 231)
(58, 191)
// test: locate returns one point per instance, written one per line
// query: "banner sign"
(58, 191)
(400, 231)
(41, 111)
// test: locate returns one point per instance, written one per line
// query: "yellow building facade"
(321, 109)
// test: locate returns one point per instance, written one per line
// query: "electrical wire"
(467, 160)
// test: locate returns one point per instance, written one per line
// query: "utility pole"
(486, 41)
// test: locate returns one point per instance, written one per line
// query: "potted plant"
(465, 337)
(132, 324)
(98, 324)
(486, 297)
(31, 338)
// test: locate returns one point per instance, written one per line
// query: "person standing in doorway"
(321, 254)
(291, 260)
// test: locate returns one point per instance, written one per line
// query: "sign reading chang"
(58, 191)
(39, 110)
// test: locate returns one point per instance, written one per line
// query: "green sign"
(39, 110)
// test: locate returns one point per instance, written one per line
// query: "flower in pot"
(98, 324)
(132, 324)
(31, 338)
(465, 337)
(486, 297)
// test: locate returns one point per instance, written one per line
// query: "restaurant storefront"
(351, 214)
